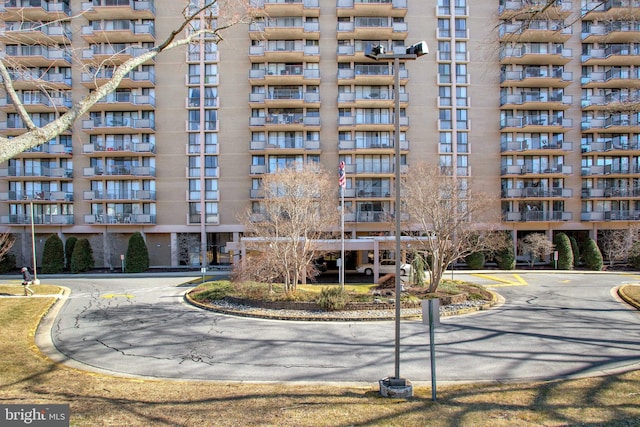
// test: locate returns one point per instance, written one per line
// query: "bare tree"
(536, 245)
(298, 208)
(617, 244)
(6, 242)
(230, 12)
(448, 218)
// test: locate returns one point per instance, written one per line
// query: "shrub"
(68, 251)
(213, 291)
(592, 255)
(565, 253)
(417, 270)
(82, 257)
(8, 263)
(137, 259)
(506, 259)
(53, 255)
(576, 251)
(333, 299)
(475, 261)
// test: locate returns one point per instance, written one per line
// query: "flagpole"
(342, 180)
(342, 266)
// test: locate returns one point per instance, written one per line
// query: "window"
(444, 93)
(444, 50)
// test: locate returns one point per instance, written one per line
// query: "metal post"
(33, 242)
(432, 348)
(342, 264)
(396, 95)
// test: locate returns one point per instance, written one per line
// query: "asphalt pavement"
(551, 325)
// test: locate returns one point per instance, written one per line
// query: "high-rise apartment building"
(532, 102)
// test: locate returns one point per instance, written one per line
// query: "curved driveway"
(550, 326)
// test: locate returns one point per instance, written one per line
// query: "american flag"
(342, 178)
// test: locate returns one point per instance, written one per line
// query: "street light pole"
(33, 242)
(378, 53)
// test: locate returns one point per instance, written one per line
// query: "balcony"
(536, 100)
(610, 9)
(37, 56)
(25, 79)
(372, 28)
(614, 124)
(599, 170)
(54, 149)
(133, 79)
(123, 32)
(535, 144)
(611, 145)
(535, 31)
(119, 148)
(33, 10)
(612, 32)
(290, 7)
(522, 9)
(52, 196)
(283, 51)
(618, 215)
(371, 75)
(616, 101)
(619, 54)
(536, 77)
(286, 144)
(537, 192)
(614, 77)
(35, 33)
(120, 195)
(539, 54)
(118, 125)
(537, 216)
(392, 8)
(125, 101)
(37, 219)
(113, 54)
(285, 28)
(124, 170)
(557, 169)
(120, 219)
(118, 9)
(39, 103)
(535, 124)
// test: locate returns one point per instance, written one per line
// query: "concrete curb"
(626, 298)
(275, 315)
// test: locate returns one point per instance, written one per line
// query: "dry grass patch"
(98, 400)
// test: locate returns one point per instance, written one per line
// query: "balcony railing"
(534, 216)
(40, 219)
(120, 219)
(120, 195)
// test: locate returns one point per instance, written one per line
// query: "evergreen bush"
(333, 299)
(592, 255)
(8, 263)
(565, 253)
(506, 259)
(576, 251)
(53, 255)
(475, 260)
(82, 257)
(137, 259)
(68, 251)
